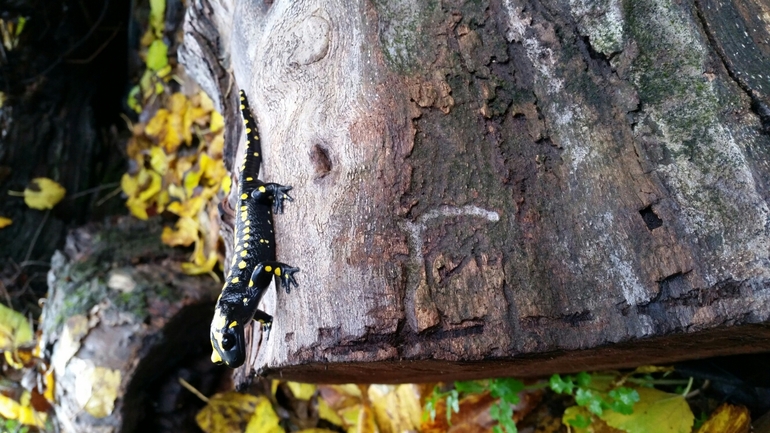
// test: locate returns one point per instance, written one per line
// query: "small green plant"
(609, 397)
(504, 390)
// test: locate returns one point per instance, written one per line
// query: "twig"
(94, 189)
(193, 390)
(37, 233)
(98, 50)
(108, 196)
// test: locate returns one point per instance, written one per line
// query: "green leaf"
(590, 400)
(655, 412)
(560, 385)
(157, 55)
(583, 379)
(132, 102)
(452, 405)
(623, 400)
(470, 387)
(506, 389)
(157, 16)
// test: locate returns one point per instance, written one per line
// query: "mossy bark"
(505, 187)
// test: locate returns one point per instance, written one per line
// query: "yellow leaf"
(216, 146)
(15, 330)
(158, 160)
(177, 192)
(206, 102)
(43, 193)
(227, 412)
(227, 183)
(205, 268)
(10, 409)
(105, 385)
(191, 180)
(5, 222)
(129, 184)
(596, 425)
(149, 183)
(264, 419)
(727, 419)
(397, 408)
(137, 207)
(325, 412)
(174, 134)
(157, 124)
(360, 419)
(189, 208)
(316, 430)
(50, 386)
(655, 412)
(647, 369)
(302, 391)
(184, 233)
(217, 121)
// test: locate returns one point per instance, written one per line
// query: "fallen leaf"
(185, 232)
(11, 409)
(105, 385)
(43, 193)
(397, 407)
(727, 419)
(5, 222)
(227, 412)
(655, 412)
(15, 329)
(264, 419)
(157, 55)
(580, 420)
(302, 391)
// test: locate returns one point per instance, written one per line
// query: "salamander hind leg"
(272, 192)
(265, 271)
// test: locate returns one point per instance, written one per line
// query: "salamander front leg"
(264, 272)
(272, 192)
(266, 321)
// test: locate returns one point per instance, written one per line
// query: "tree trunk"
(504, 187)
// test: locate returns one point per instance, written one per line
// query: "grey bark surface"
(506, 187)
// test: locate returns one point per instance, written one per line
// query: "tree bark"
(505, 187)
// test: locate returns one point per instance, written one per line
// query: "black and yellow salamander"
(253, 266)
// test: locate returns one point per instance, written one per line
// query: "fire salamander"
(254, 265)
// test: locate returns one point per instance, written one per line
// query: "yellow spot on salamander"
(215, 358)
(244, 196)
(262, 189)
(256, 153)
(247, 222)
(245, 301)
(241, 265)
(277, 272)
(233, 325)
(251, 283)
(244, 216)
(243, 107)
(244, 253)
(246, 237)
(249, 178)
(219, 320)
(269, 268)
(248, 130)
(243, 207)
(236, 279)
(246, 230)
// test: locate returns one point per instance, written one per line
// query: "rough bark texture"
(493, 187)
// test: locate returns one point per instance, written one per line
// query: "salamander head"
(227, 341)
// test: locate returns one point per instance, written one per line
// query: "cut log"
(121, 324)
(505, 187)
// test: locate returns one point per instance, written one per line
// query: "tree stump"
(505, 187)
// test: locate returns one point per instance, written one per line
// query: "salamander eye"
(228, 341)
